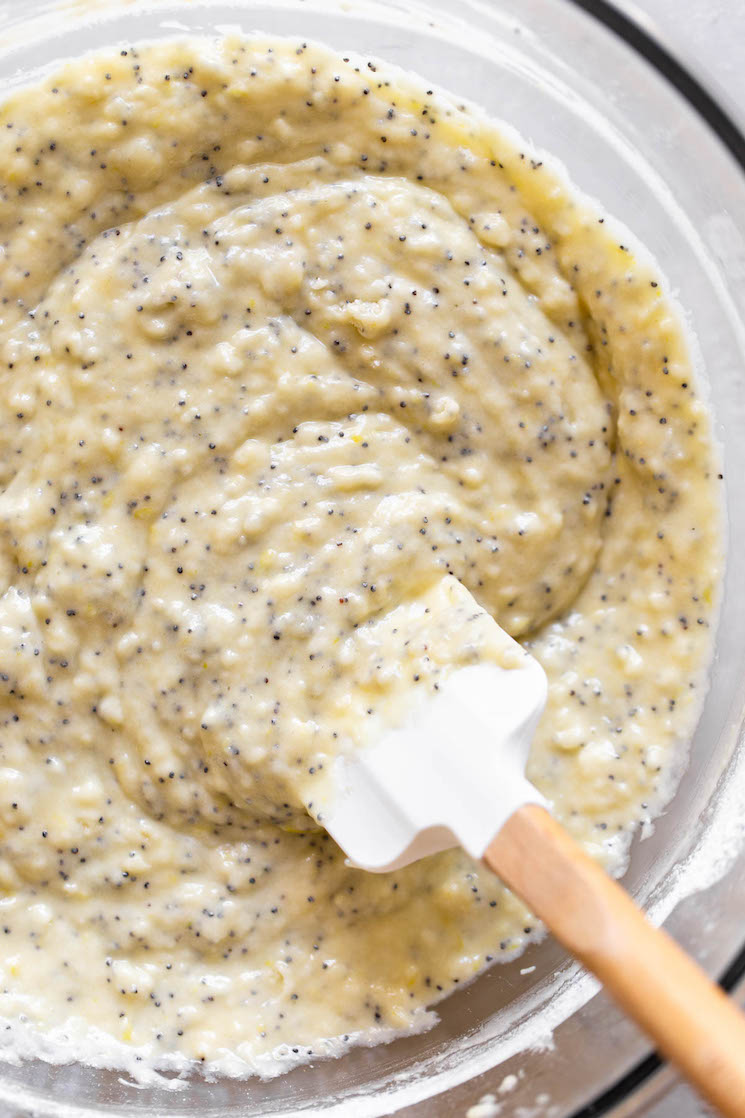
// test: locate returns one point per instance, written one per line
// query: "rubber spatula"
(451, 770)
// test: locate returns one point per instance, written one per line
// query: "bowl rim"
(680, 73)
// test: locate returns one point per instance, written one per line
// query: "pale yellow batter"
(284, 338)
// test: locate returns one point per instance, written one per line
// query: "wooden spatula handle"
(691, 1021)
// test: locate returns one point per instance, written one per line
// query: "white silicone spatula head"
(453, 770)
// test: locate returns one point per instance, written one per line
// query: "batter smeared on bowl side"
(284, 338)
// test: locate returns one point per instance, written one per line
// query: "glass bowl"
(535, 1034)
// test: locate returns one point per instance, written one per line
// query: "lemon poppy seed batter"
(284, 338)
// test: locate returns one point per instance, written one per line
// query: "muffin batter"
(286, 337)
